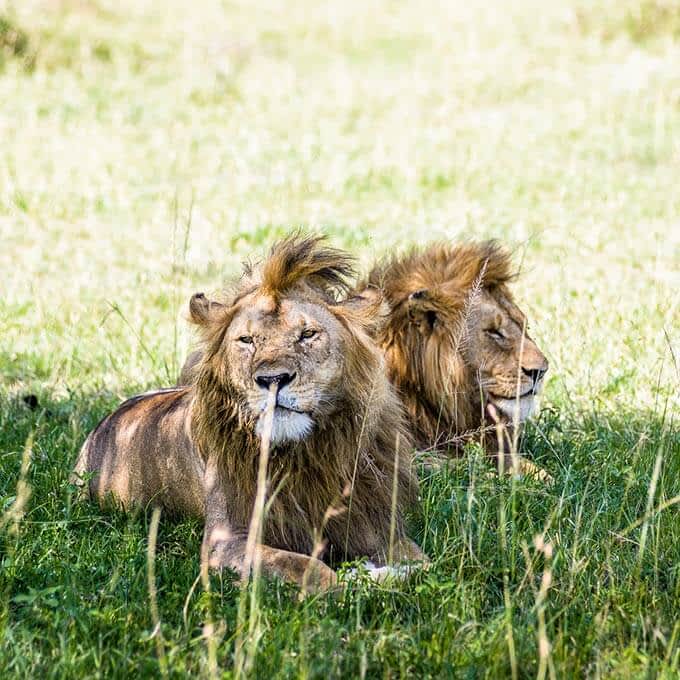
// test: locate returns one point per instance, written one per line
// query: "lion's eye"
(246, 339)
(307, 333)
(495, 333)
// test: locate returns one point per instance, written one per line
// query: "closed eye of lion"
(338, 432)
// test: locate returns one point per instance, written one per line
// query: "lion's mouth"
(288, 425)
(502, 397)
(532, 391)
(513, 408)
(283, 409)
(288, 409)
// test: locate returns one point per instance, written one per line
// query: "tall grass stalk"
(157, 633)
(209, 632)
(246, 649)
(360, 441)
(650, 503)
(395, 494)
(177, 271)
(12, 517)
(544, 647)
(501, 435)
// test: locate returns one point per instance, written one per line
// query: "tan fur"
(194, 449)
(446, 301)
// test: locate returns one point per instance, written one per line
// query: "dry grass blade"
(157, 633)
(360, 441)
(462, 336)
(650, 502)
(393, 510)
(14, 514)
(648, 515)
(672, 351)
(209, 627)
(544, 647)
(257, 518)
(514, 447)
(335, 509)
(253, 558)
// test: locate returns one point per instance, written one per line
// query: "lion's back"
(142, 453)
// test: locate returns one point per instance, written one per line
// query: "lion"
(339, 470)
(457, 347)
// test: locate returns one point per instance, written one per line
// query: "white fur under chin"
(289, 426)
(511, 408)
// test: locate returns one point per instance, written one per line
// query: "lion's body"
(445, 301)
(161, 465)
(143, 454)
(338, 427)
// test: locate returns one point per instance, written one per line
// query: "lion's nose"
(536, 374)
(265, 380)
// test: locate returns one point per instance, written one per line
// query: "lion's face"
(296, 344)
(285, 325)
(486, 337)
(507, 363)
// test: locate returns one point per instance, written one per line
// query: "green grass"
(126, 127)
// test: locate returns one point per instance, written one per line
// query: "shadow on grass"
(74, 591)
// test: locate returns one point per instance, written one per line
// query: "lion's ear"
(201, 310)
(369, 308)
(422, 311)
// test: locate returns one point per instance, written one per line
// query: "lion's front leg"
(502, 447)
(400, 561)
(225, 545)
(407, 551)
(519, 465)
(223, 549)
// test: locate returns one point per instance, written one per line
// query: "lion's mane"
(438, 388)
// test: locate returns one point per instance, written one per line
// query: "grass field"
(147, 147)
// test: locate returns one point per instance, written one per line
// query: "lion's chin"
(288, 426)
(512, 409)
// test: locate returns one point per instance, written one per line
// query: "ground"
(148, 147)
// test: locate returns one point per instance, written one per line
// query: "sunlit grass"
(125, 127)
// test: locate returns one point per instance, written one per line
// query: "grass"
(149, 147)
